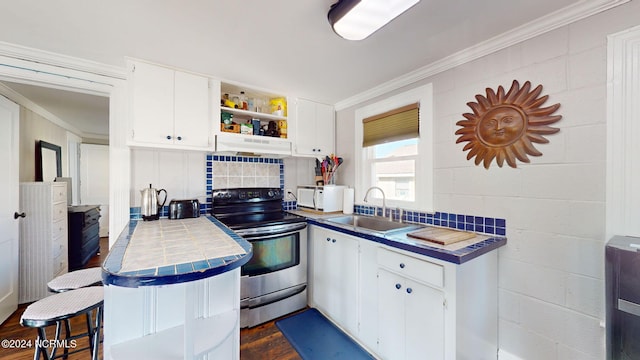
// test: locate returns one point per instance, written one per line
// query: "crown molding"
(552, 21)
(61, 61)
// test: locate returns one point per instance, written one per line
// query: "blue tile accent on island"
(170, 274)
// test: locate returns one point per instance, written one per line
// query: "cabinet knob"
(409, 290)
(333, 240)
(328, 239)
(179, 138)
(168, 137)
(398, 286)
(402, 265)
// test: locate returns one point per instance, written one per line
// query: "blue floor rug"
(316, 338)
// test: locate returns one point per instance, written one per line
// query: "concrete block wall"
(551, 282)
(551, 272)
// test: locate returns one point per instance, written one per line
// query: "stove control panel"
(246, 194)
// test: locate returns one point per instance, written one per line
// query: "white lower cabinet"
(410, 318)
(335, 276)
(401, 305)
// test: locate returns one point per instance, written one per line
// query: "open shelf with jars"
(252, 120)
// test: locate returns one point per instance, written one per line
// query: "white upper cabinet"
(169, 109)
(315, 129)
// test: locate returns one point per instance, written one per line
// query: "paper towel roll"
(347, 201)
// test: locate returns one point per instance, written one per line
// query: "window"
(393, 168)
(400, 164)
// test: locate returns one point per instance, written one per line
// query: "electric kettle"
(150, 206)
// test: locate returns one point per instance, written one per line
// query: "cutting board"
(441, 236)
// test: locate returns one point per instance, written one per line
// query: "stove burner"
(241, 208)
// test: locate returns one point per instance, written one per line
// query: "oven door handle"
(265, 231)
(273, 297)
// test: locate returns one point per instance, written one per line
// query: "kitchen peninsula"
(172, 290)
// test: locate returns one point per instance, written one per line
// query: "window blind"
(398, 124)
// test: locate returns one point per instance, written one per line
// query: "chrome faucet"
(384, 206)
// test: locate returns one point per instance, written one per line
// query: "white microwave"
(326, 198)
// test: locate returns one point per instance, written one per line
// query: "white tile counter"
(172, 290)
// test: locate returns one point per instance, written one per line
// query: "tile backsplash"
(224, 171)
(478, 224)
(243, 171)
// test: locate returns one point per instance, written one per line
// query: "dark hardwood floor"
(263, 342)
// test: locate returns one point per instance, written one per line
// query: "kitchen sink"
(375, 224)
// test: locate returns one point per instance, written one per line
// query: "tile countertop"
(456, 253)
(167, 252)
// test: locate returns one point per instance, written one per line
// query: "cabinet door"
(321, 277)
(152, 107)
(411, 318)
(391, 315)
(424, 322)
(336, 277)
(192, 122)
(315, 128)
(325, 129)
(344, 276)
(305, 133)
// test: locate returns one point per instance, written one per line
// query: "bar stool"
(76, 279)
(70, 281)
(60, 307)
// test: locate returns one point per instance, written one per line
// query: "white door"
(94, 180)
(9, 202)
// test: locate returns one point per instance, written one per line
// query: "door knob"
(16, 215)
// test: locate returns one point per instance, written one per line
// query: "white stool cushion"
(76, 279)
(64, 304)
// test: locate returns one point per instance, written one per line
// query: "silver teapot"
(150, 206)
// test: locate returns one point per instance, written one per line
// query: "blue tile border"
(401, 241)
(479, 224)
(172, 274)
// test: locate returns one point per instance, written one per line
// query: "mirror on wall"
(48, 161)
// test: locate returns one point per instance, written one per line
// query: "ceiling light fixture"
(357, 19)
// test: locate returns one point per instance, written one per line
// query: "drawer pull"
(398, 286)
(333, 240)
(21, 215)
(402, 265)
(409, 290)
(328, 239)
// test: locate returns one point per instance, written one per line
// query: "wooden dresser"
(43, 237)
(84, 234)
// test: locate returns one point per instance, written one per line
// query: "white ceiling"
(282, 45)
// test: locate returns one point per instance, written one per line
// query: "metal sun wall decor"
(505, 126)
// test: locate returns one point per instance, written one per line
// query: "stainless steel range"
(274, 281)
